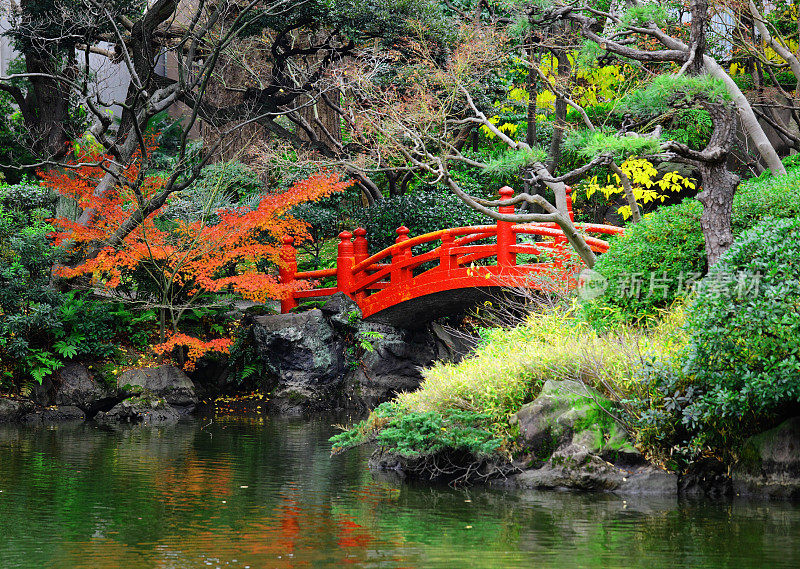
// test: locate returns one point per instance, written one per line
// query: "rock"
(51, 415)
(393, 365)
(590, 473)
(305, 358)
(140, 409)
(568, 413)
(343, 313)
(770, 463)
(576, 443)
(12, 410)
(74, 386)
(706, 477)
(329, 358)
(165, 381)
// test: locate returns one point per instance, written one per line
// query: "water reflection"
(266, 494)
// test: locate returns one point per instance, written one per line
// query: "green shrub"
(665, 249)
(506, 371)
(422, 434)
(744, 329)
(669, 243)
(692, 127)
(766, 196)
(421, 212)
(40, 326)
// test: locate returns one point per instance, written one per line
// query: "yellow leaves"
(507, 128)
(646, 189)
(546, 100)
(518, 94)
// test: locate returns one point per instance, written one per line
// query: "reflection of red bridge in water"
(400, 287)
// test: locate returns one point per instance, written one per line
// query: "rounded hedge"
(651, 265)
(422, 212)
(744, 329)
(669, 243)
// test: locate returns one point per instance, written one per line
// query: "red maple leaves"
(180, 258)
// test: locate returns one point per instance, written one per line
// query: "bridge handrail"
(419, 240)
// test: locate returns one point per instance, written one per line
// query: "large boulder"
(12, 410)
(574, 442)
(304, 357)
(392, 364)
(770, 463)
(75, 386)
(147, 410)
(165, 381)
(330, 358)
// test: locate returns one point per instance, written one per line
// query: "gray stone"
(393, 365)
(304, 357)
(141, 409)
(589, 473)
(165, 381)
(52, 415)
(342, 312)
(12, 410)
(329, 358)
(770, 463)
(576, 443)
(74, 385)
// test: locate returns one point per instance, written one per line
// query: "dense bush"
(744, 329)
(666, 249)
(507, 370)
(669, 242)
(421, 212)
(41, 326)
(766, 195)
(421, 434)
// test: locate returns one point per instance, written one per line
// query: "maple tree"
(173, 264)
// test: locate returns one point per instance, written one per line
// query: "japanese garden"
(399, 283)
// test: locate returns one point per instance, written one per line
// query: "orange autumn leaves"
(182, 258)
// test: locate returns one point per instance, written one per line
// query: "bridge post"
(361, 252)
(505, 232)
(446, 260)
(287, 271)
(400, 274)
(360, 245)
(345, 259)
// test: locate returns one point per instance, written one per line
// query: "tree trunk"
(47, 109)
(554, 154)
(749, 121)
(719, 186)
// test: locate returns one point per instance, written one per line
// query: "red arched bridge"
(399, 286)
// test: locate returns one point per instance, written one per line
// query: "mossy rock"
(570, 414)
(769, 463)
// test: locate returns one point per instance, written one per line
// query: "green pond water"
(264, 494)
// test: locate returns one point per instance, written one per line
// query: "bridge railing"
(360, 275)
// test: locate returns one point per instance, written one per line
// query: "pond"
(265, 493)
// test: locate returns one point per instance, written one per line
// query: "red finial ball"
(506, 192)
(288, 240)
(360, 232)
(345, 236)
